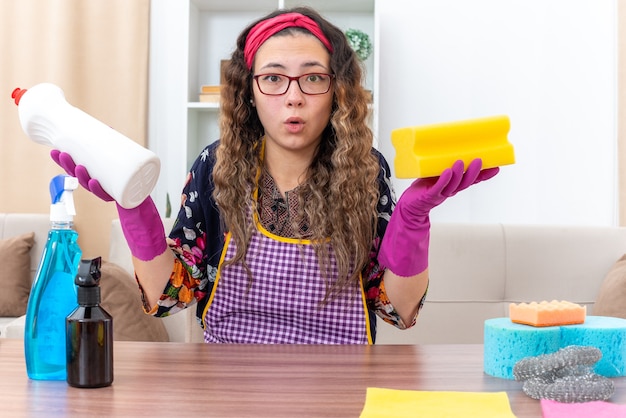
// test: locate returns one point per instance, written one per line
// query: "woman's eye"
(316, 78)
(273, 78)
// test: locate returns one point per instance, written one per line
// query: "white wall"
(549, 65)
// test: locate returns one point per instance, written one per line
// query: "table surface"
(183, 379)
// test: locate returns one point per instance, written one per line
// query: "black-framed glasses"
(272, 84)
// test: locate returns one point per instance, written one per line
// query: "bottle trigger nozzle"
(62, 194)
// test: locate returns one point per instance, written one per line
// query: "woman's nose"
(294, 95)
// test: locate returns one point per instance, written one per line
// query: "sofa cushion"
(15, 274)
(122, 300)
(612, 296)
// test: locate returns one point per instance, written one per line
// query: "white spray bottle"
(126, 170)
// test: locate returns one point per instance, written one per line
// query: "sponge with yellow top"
(547, 314)
(426, 151)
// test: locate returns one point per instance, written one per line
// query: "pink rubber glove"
(142, 226)
(404, 249)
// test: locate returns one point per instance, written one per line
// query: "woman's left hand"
(404, 249)
(425, 194)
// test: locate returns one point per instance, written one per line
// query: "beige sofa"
(12, 225)
(476, 270)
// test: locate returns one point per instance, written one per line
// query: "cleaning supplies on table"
(53, 293)
(126, 170)
(89, 333)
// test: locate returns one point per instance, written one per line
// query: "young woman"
(287, 231)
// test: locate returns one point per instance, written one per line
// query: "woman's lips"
(294, 125)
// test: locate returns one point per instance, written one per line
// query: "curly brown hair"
(342, 178)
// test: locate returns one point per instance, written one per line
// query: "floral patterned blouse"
(197, 240)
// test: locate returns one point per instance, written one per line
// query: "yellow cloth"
(391, 403)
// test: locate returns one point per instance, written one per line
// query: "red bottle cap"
(17, 94)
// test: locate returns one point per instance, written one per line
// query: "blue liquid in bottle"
(52, 298)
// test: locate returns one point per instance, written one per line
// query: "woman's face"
(293, 121)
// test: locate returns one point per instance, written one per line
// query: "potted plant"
(360, 43)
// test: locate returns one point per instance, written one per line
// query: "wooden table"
(178, 379)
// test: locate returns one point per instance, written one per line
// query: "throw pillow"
(612, 296)
(15, 280)
(122, 300)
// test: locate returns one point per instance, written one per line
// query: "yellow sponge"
(426, 151)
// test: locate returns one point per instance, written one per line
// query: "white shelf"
(203, 106)
(268, 5)
(236, 5)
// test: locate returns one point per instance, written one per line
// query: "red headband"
(266, 28)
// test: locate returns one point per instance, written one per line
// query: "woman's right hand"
(66, 162)
(142, 225)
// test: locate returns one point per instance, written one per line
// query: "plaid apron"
(282, 303)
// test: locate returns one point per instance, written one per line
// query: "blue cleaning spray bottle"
(53, 293)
